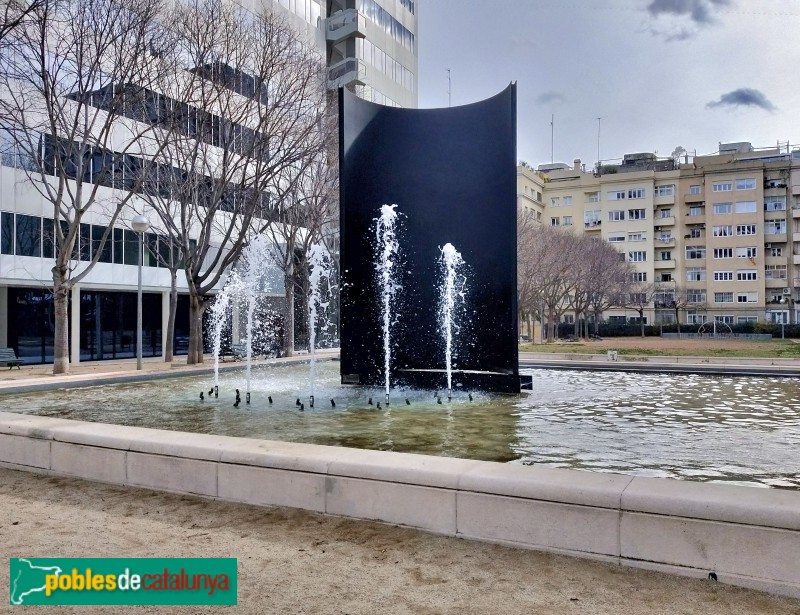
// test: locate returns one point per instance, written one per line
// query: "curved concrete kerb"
(747, 536)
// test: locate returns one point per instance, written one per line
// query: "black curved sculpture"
(452, 174)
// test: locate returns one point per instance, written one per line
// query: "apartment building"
(712, 233)
(369, 45)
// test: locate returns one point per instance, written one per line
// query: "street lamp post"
(140, 224)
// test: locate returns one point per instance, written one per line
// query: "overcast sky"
(660, 73)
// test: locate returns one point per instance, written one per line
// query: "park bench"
(9, 357)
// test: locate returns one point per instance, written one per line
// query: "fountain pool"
(744, 430)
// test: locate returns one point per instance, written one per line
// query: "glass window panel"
(48, 238)
(107, 248)
(6, 233)
(85, 246)
(131, 248)
(118, 246)
(29, 235)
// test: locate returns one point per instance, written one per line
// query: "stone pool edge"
(748, 536)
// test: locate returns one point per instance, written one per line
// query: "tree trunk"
(288, 318)
(641, 320)
(61, 325)
(677, 321)
(576, 329)
(196, 308)
(596, 323)
(173, 308)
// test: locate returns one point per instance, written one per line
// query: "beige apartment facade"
(719, 235)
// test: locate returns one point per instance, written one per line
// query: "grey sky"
(660, 73)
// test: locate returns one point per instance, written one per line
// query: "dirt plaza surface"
(291, 561)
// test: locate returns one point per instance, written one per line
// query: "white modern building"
(370, 46)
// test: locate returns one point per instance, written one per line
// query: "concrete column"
(75, 325)
(3, 316)
(164, 320)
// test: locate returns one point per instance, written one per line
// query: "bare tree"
(639, 297)
(15, 13)
(243, 112)
(602, 276)
(304, 215)
(63, 92)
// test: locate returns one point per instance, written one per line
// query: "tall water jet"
(250, 270)
(451, 296)
(387, 250)
(318, 270)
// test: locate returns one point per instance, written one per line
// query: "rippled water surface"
(732, 429)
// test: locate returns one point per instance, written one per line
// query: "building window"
(696, 211)
(722, 208)
(636, 214)
(774, 203)
(591, 218)
(616, 238)
(746, 252)
(555, 201)
(695, 274)
(774, 251)
(616, 216)
(664, 190)
(592, 197)
(567, 220)
(616, 195)
(636, 193)
(774, 227)
(723, 276)
(722, 187)
(723, 231)
(746, 229)
(636, 237)
(666, 277)
(746, 275)
(638, 256)
(695, 189)
(567, 200)
(745, 207)
(665, 213)
(555, 222)
(747, 297)
(695, 318)
(696, 296)
(695, 233)
(746, 184)
(665, 237)
(775, 272)
(724, 319)
(6, 233)
(666, 255)
(695, 253)
(639, 276)
(723, 252)
(723, 297)
(746, 319)
(28, 235)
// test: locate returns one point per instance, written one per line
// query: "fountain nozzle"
(247, 397)
(387, 399)
(311, 402)
(449, 394)
(216, 390)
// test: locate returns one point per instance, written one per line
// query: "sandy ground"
(297, 562)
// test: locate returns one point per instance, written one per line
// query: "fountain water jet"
(318, 269)
(387, 248)
(452, 295)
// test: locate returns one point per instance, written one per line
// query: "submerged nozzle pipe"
(247, 397)
(311, 402)
(216, 390)
(449, 394)
(387, 399)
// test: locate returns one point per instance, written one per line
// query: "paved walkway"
(125, 369)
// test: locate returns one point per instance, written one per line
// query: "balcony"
(776, 283)
(667, 264)
(664, 200)
(665, 241)
(594, 225)
(668, 221)
(795, 212)
(775, 238)
(349, 70)
(694, 197)
(345, 24)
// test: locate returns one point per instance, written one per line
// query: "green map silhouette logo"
(27, 578)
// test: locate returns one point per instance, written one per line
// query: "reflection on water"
(744, 430)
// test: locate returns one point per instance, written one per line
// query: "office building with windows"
(370, 46)
(719, 235)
